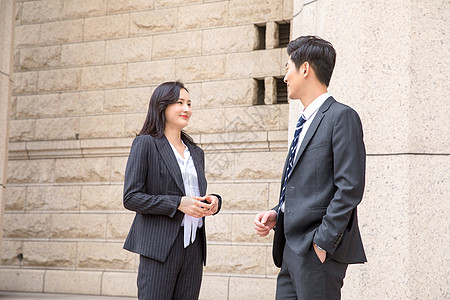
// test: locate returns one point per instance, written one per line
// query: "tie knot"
(301, 121)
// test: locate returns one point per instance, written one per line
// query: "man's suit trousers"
(306, 277)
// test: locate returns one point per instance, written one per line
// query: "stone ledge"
(217, 142)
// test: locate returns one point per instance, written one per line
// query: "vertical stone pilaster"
(403, 108)
(270, 96)
(7, 17)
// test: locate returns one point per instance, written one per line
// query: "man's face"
(294, 80)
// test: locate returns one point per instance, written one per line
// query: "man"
(316, 226)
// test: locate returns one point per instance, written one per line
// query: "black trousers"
(306, 277)
(178, 278)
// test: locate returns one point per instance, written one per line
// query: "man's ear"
(305, 69)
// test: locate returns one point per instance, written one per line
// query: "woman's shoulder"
(144, 140)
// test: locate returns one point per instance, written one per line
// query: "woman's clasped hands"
(199, 206)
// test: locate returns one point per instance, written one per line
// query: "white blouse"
(191, 188)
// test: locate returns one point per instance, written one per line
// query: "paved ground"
(41, 296)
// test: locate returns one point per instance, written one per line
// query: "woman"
(165, 185)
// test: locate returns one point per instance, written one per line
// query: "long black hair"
(165, 94)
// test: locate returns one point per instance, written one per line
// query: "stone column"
(392, 68)
(6, 39)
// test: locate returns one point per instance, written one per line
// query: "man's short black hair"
(319, 53)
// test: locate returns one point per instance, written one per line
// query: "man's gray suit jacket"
(153, 189)
(325, 186)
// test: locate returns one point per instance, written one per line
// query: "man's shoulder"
(340, 108)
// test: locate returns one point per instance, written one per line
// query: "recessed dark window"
(284, 34)
(261, 37)
(260, 91)
(282, 95)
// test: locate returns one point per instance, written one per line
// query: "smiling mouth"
(185, 117)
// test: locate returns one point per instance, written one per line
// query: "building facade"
(74, 92)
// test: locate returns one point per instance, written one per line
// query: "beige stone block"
(21, 280)
(102, 126)
(167, 3)
(115, 6)
(149, 22)
(78, 226)
(118, 165)
(49, 254)
(255, 11)
(288, 10)
(244, 288)
(219, 166)
(218, 227)
(195, 93)
(39, 58)
(81, 103)
(18, 13)
(53, 149)
(127, 100)
(229, 39)
(275, 189)
(119, 225)
(241, 196)
(236, 259)
(16, 60)
(270, 88)
(119, 284)
(71, 282)
(206, 120)
(153, 72)
(62, 32)
(129, 50)
(26, 226)
(252, 118)
(177, 44)
(57, 128)
(271, 269)
(21, 130)
(82, 170)
(15, 198)
(101, 197)
(228, 93)
(37, 105)
(259, 165)
(24, 83)
(31, 171)
(59, 80)
(53, 198)
(244, 229)
(27, 35)
(107, 256)
(428, 206)
(104, 76)
(203, 15)
(272, 35)
(101, 28)
(41, 11)
(133, 124)
(214, 288)
(284, 117)
(200, 68)
(13, 108)
(9, 253)
(83, 54)
(83, 8)
(258, 64)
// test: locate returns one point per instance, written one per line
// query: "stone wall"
(83, 74)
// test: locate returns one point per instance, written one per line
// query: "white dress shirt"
(308, 113)
(191, 188)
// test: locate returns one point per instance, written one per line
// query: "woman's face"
(178, 114)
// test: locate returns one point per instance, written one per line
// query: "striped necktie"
(292, 151)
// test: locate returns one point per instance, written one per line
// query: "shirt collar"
(315, 105)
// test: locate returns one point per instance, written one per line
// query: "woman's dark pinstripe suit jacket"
(153, 189)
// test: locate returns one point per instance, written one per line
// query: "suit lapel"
(170, 160)
(312, 128)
